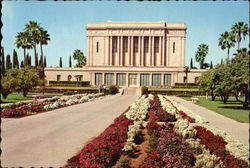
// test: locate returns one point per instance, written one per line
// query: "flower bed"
(171, 141)
(38, 106)
(104, 150)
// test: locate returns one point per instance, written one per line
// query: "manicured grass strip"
(173, 89)
(73, 88)
(232, 109)
(15, 98)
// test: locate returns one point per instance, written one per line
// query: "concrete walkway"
(49, 139)
(236, 130)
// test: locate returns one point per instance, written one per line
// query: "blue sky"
(66, 21)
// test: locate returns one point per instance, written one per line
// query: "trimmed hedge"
(184, 85)
(69, 83)
(178, 93)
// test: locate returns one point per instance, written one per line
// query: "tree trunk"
(41, 50)
(25, 92)
(246, 103)
(212, 95)
(24, 56)
(228, 54)
(35, 56)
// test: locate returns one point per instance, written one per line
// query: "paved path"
(49, 139)
(236, 130)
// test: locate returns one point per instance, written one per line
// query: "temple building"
(131, 54)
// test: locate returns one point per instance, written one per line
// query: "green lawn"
(232, 109)
(15, 97)
(173, 89)
(73, 88)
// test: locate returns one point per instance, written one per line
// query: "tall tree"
(41, 61)
(60, 62)
(221, 61)
(79, 57)
(29, 60)
(211, 65)
(201, 53)
(226, 41)
(22, 64)
(191, 63)
(44, 37)
(22, 40)
(45, 62)
(70, 62)
(240, 29)
(8, 62)
(15, 59)
(2, 61)
(32, 28)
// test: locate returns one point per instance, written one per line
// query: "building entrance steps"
(132, 91)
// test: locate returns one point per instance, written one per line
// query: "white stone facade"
(132, 54)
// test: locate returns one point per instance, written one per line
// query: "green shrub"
(144, 90)
(113, 89)
(69, 83)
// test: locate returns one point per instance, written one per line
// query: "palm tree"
(22, 40)
(32, 28)
(201, 53)
(226, 41)
(44, 37)
(239, 29)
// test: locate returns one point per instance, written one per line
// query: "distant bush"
(144, 90)
(113, 89)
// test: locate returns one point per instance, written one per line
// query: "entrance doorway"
(132, 80)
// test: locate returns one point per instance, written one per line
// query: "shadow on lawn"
(234, 107)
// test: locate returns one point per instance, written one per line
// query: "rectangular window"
(121, 79)
(156, 44)
(98, 78)
(144, 80)
(146, 44)
(109, 78)
(156, 79)
(58, 77)
(173, 47)
(97, 46)
(167, 79)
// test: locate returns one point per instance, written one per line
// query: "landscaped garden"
(232, 109)
(22, 109)
(156, 132)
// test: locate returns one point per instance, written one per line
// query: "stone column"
(138, 79)
(153, 51)
(132, 51)
(143, 54)
(129, 51)
(162, 79)
(115, 75)
(139, 51)
(168, 51)
(127, 79)
(150, 79)
(88, 49)
(117, 59)
(122, 54)
(183, 50)
(150, 51)
(160, 52)
(111, 51)
(103, 79)
(164, 50)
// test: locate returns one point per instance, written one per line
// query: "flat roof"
(136, 25)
